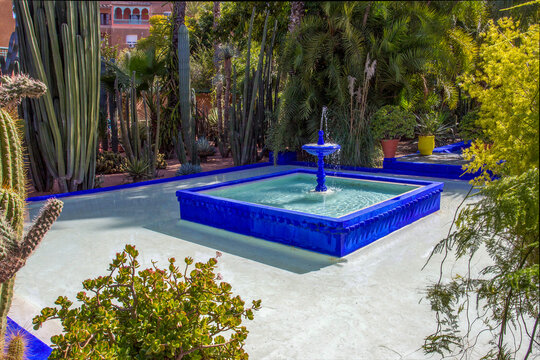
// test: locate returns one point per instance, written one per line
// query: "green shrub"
(138, 170)
(187, 169)
(432, 124)
(172, 313)
(469, 128)
(391, 122)
(108, 162)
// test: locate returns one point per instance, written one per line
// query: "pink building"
(127, 21)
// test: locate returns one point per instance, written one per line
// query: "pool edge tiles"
(332, 236)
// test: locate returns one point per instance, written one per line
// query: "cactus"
(14, 247)
(247, 117)
(16, 347)
(188, 126)
(59, 45)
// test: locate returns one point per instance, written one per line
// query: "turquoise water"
(295, 192)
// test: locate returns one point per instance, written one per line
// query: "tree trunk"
(297, 11)
(219, 82)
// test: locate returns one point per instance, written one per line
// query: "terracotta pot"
(426, 144)
(389, 148)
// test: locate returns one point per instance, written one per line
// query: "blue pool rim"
(327, 235)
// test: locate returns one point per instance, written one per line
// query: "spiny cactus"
(188, 125)
(14, 247)
(17, 347)
(13, 250)
(13, 88)
(59, 45)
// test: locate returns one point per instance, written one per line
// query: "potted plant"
(428, 126)
(389, 124)
(204, 149)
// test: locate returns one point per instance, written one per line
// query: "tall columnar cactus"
(59, 45)
(15, 247)
(247, 120)
(188, 124)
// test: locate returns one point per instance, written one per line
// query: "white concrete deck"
(366, 305)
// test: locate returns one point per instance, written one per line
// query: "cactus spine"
(14, 247)
(59, 45)
(188, 126)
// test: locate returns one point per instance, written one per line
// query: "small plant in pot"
(389, 124)
(428, 126)
(204, 149)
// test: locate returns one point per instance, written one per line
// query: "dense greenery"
(407, 54)
(171, 313)
(391, 122)
(499, 303)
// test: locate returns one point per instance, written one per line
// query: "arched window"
(145, 14)
(127, 14)
(117, 13)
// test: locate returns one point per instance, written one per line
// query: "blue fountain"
(320, 149)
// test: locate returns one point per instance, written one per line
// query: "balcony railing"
(131, 21)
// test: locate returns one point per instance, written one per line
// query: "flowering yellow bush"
(506, 85)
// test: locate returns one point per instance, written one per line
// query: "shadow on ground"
(277, 255)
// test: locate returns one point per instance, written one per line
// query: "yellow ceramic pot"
(426, 144)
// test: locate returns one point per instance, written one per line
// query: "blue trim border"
(149, 182)
(332, 236)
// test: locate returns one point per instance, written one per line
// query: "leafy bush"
(108, 162)
(204, 148)
(468, 128)
(391, 122)
(432, 124)
(188, 168)
(154, 313)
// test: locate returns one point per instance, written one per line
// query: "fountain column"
(321, 175)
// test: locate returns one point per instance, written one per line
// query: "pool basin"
(337, 233)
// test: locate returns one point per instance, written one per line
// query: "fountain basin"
(324, 150)
(337, 232)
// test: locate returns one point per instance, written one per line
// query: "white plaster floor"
(367, 305)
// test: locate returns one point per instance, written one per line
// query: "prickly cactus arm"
(6, 294)
(17, 253)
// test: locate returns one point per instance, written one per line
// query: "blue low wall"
(332, 236)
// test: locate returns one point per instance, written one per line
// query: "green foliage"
(188, 169)
(171, 313)
(419, 50)
(506, 86)
(391, 122)
(108, 162)
(137, 169)
(504, 221)
(504, 296)
(469, 128)
(432, 123)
